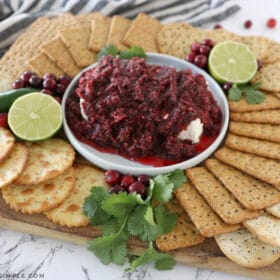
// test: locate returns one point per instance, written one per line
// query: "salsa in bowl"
(144, 116)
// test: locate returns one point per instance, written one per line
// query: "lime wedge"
(35, 116)
(233, 62)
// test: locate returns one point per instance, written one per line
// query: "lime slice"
(233, 62)
(35, 116)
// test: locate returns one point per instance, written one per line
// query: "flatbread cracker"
(249, 191)
(70, 212)
(76, 40)
(218, 197)
(270, 102)
(117, 31)
(253, 146)
(47, 160)
(185, 234)
(274, 52)
(13, 165)
(266, 228)
(255, 130)
(267, 116)
(245, 249)
(7, 142)
(262, 168)
(202, 215)
(143, 33)
(274, 210)
(57, 51)
(42, 197)
(169, 34)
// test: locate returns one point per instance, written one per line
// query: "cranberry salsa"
(148, 113)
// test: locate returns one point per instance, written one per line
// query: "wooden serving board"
(205, 255)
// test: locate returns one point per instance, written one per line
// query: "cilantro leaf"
(149, 216)
(254, 96)
(118, 205)
(165, 220)
(107, 50)
(150, 191)
(235, 93)
(162, 261)
(112, 226)
(163, 188)
(133, 52)
(177, 177)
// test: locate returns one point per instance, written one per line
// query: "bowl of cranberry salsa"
(145, 116)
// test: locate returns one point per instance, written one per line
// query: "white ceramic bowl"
(109, 161)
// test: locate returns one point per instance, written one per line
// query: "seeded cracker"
(57, 51)
(118, 29)
(218, 197)
(262, 168)
(70, 213)
(249, 191)
(245, 249)
(274, 210)
(76, 41)
(274, 52)
(13, 165)
(42, 197)
(254, 130)
(85, 19)
(7, 142)
(143, 32)
(205, 219)
(258, 45)
(47, 160)
(185, 234)
(221, 35)
(253, 146)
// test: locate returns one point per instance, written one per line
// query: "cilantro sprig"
(252, 93)
(134, 51)
(123, 215)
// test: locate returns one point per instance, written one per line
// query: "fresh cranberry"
(116, 189)
(4, 120)
(208, 42)
(200, 60)
(112, 177)
(18, 84)
(190, 57)
(218, 26)
(60, 89)
(204, 50)
(248, 24)
(195, 47)
(260, 64)
(137, 187)
(46, 91)
(127, 180)
(227, 86)
(144, 179)
(49, 84)
(35, 81)
(49, 76)
(58, 99)
(25, 76)
(64, 80)
(271, 23)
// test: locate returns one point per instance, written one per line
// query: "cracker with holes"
(42, 197)
(47, 160)
(274, 52)
(258, 45)
(70, 212)
(185, 234)
(274, 210)
(7, 142)
(245, 249)
(202, 215)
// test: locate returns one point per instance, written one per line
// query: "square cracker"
(57, 51)
(185, 234)
(202, 215)
(219, 198)
(100, 26)
(76, 41)
(253, 146)
(249, 191)
(143, 33)
(85, 19)
(258, 45)
(221, 35)
(274, 52)
(274, 210)
(262, 168)
(42, 64)
(256, 130)
(118, 29)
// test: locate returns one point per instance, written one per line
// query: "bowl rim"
(147, 169)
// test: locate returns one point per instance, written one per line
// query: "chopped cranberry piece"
(60, 89)
(204, 50)
(25, 76)
(248, 24)
(49, 76)
(112, 177)
(227, 86)
(218, 26)
(200, 60)
(35, 81)
(190, 57)
(260, 64)
(144, 179)
(64, 80)
(208, 42)
(116, 189)
(4, 120)
(195, 47)
(271, 23)
(49, 84)
(18, 84)
(137, 187)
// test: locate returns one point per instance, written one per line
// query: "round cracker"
(12, 167)
(42, 197)
(47, 160)
(7, 142)
(245, 249)
(70, 212)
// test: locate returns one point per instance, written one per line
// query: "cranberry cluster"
(126, 183)
(49, 83)
(199, 53)
(270, 23)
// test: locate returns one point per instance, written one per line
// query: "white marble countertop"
(25, 256)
